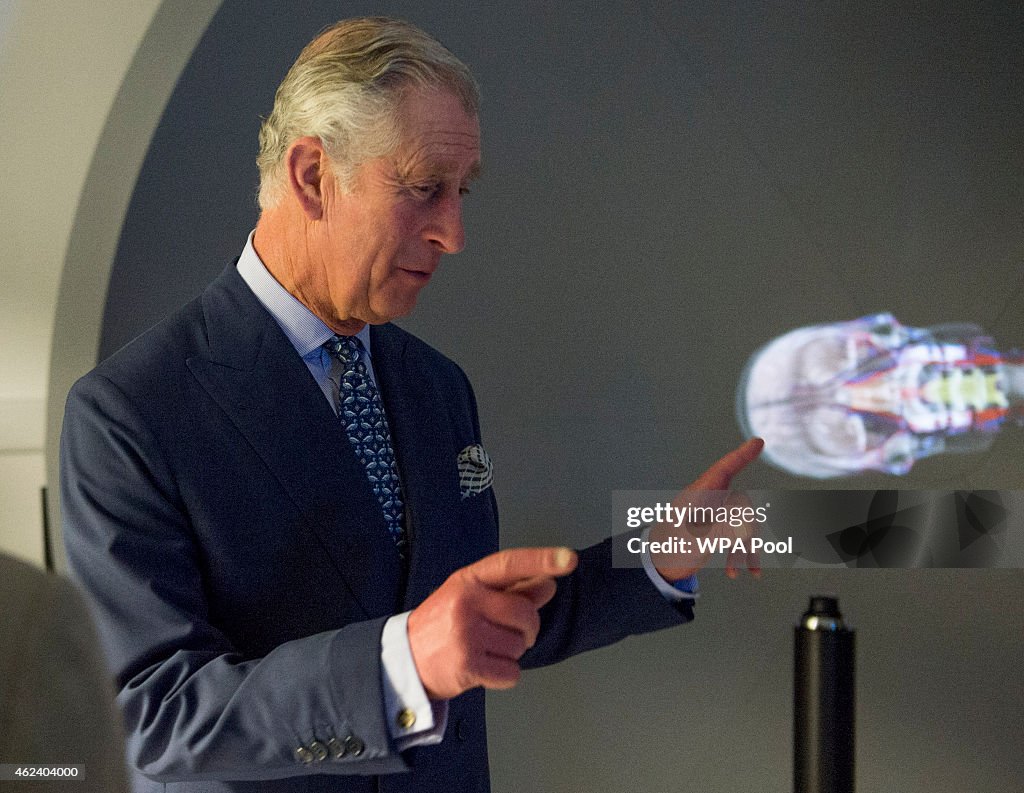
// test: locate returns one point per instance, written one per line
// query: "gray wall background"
(668, 186)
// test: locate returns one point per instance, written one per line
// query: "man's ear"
(306, 161)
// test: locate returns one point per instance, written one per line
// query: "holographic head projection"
(873, 395)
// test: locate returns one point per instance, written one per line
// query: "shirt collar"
(304, 329)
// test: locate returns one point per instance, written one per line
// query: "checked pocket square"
(475, 470)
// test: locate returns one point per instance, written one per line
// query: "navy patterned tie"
(362, 412)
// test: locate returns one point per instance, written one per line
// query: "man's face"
(377, 245)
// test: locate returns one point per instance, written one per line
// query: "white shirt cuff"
(413, 719)
(671, 593)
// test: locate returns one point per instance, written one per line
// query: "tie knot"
(345, 348)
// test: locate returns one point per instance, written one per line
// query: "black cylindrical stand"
(823, 701)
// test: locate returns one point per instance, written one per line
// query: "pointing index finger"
(507, 568)
(719, 476)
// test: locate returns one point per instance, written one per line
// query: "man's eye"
(430, 190)
(426, 190)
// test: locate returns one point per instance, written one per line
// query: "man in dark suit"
(280, 503)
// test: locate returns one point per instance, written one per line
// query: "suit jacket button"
(354, 746)
(405, 719)
(319, 751)
(460, 729)
(303, 755)
(337, 748)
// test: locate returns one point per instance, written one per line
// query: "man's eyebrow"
(412, 175)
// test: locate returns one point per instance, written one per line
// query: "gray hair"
(346, 88)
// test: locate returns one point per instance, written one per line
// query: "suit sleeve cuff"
(412, 718)
(684, 589)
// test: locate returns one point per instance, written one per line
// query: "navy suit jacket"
(241, 570)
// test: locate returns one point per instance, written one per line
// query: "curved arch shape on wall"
(148, 84)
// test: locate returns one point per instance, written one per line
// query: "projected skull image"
(873, 395)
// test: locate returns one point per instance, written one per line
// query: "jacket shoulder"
(162, 351)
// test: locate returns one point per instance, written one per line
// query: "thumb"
(537, 590)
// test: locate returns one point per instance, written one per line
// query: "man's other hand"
(474, 628)
(717, 479)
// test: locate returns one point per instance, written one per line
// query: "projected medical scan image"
(872, 394)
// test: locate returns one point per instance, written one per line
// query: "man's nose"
(447, 229)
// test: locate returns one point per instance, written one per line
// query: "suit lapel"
(421, 434)
(264, 387)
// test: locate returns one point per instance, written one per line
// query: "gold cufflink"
(405, 719)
